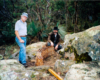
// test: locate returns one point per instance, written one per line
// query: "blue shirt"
(21, 27)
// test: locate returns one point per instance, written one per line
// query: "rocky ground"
(32, 72)
(49, 62)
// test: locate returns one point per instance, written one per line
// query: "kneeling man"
(54, 39)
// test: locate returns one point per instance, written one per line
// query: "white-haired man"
(21, 33)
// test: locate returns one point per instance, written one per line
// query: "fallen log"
(39, 59)
(43, 53)
(47, 51)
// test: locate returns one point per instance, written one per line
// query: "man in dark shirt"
(54, 39)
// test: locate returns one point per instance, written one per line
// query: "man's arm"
(49, 36)
(50, 40)
(17, 34)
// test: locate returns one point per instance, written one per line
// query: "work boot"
(25, 65)
(20, 62)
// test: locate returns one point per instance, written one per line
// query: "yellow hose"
(55, 74)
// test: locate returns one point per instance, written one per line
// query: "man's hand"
(56, 47)
(52, 44)
(17, 34)
(21, 41)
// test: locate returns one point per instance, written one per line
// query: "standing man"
(21, 32)
(54, 39)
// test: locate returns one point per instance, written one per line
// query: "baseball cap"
(24, 14)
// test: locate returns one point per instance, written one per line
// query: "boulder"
(39, 68)
(69, 56)
(37, 52)
(1, 57)
(85, 45)
(99, 63)
(12, 70)
(63, 65)
(31, 50)
(83, 71)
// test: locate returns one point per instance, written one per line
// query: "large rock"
(83, 72)
(63, 65)
(13, 70)
(83, 44)
(1, 57)
(31, 50)
(39, 68)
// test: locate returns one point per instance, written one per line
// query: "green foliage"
(86, 26)
(97, 22)
(33, 29)
(58, 23)
(32, 75)
(60, 4)
(71, 9)
(45, 33)
(47, 14)
(10, 12)
(62, 32)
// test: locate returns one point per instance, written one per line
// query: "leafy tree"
(74, 16)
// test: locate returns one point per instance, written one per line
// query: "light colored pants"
(22, 52)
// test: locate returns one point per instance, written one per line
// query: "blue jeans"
(22, 52)
(59, 46)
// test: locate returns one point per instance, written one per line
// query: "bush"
(33, 29)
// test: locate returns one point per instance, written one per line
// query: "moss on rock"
(61, 53)
(66, 49)
(32, 75)
(78, 58)
(82, 57)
